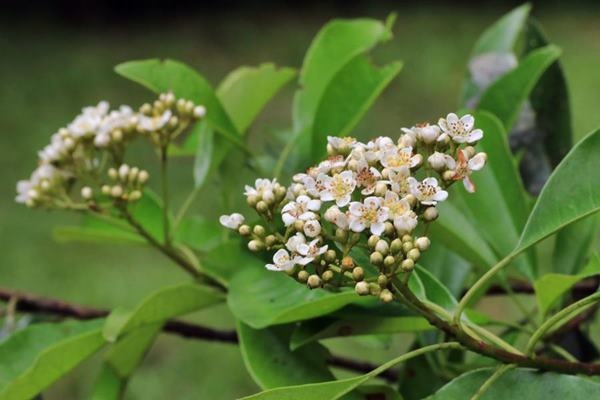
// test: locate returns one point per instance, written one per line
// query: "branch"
(27, 302)
(481, 347)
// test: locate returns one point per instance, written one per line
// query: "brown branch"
(27, 302)
(478, 346)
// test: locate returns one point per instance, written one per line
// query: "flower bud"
(448, 175)
(262, 206)
(252, 200)
(407, 246)
(116, 135)
(133, 173)
(358, 273)
(373, 239)
(255, 245)
(259, 230)
(299, 225)
(135, 195)
(396, 246)
(389, 261)
(382, 247)
(382, 280)
(374, 289)
(124, 172)
(314, 281)
(327, 276)
(86, 192)
(112, 173)
(143, 176)
(330, 256)
(414, 254)
(412, 200)
(270, 240)
(244, 230)
(469, 151)
(437, 161)
(199, 111)
(341, 235)
(430, 214)
(406, 238)
(362, 288)
(312, 228)
(376, 258)
(303, 276)
(105, 190)
(116, 191)
(280, 192)
(422, 243)
(380, 189)
(386, 296)
(347, 263)
(407, 265)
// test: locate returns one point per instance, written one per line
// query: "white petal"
(469, 185)
(377, 228)
(440, 195)
(474, 136)
(272, 267)
(343, 201)
(430, 181)
(356, 226)
(314, 205)
(288, 219)
(477, 162)
(468, 121)
(452, 118)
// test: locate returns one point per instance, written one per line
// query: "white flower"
(310, 251)
(333, 162)
(397, 158)
(263, 188)
(341, 144)
(26, 193)
(395, 205)
(312, 228)
(337, 217)
(102, 140)
(116, 119)
(424, 132)
(427, 192)
(281, 261)
(460, 130)
(232, 221)
(399, 180)
(338, 188)
(463, 167)
(89, 120)
(367, 177)
(295, 241)
(406, 223)
(439, 161)
(155, 122)
(369, 214)
(301, 209)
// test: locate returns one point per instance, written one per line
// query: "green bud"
(382, 247)
(386, 296)
(252, 200)
(374, 289)
(422, 243)
(414, 254)
(270, 240)
(430, 214)
(262, 207)
(389, 228)
(407, 265)
(396, 246)
(406, 238)
(362, 288)
(113, 174)
(303, 276)
(341, 235)
(358, 273)
(373, 239)
(313, 281)
(389, 261)
(330, 256)
(299, 225)
(407, 246)
(376, 258)
(255, 245)
(382, 280)
(280, 193)
(244, 230)
(259, 230)
(327, 275)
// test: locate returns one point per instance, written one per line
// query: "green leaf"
(35, 357)
(224, 261)
(450, 269)
(571, 193)
(505, 97)
(500, 204)
(204, 152)
(93, 229)
(572, 245)
(435, 291)
(550, 101)
(199, 233)
(271, 363)
(336, 44)
(519, 384)
(315, 330)
(108, 386)
(163, 304)
(347, 97)
(164, 75)
(261, 298)
(550, 287)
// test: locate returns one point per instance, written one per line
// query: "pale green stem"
(562, 352)
(493, 338)
(481, 282)
(165, 192)
(574, 308)
(490, 381)
(189, 200)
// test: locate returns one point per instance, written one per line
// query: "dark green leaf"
(519, 384)
(37, 356)
(272, 364)
(199, 233)
(505, 97)
(227, 259)
(572, 246)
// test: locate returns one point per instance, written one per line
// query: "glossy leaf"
(435, 291)
(519, 384)
(226, 260)
(550, 287)
(95, 230)
(571, 193)
(166, 303)
(199, 233)
(108, 385)
(271, 363)
(572, 245)
(505, 97)
(169, 75)
(336, 44)
(450, 269)
(37, 356)
(261, 298)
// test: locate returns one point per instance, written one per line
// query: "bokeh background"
(56, 57)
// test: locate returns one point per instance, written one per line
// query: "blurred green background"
(51, 67)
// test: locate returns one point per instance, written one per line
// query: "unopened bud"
(407, 246)
(362, 288)
(117, 135)
(199, 111)
(255, 245)
(86, 192)
(412, 200)
(244, 230)
(380, 189)
(341, 235)
(124, 172)
(262, 206)
(135, 195)
(105, 190)
(330, 256)
(116, 191)
(448, 175)
(386, 296)
(373, 239)
(396, 246)
(252, 200)
(270, 240)
(112, 173)
(382, 280)
(299, 225)
(389, 261)
(382, 247)
(430, 214)
(347, 263)
(374, 289)
(376, 258)
(358, 273)
(259, 230)
(407, 238)
(143, 176)
(327, 276)
(133, 173)
(469, 151)
(388, 228)
(407, 265)
(414, 254)
(303, 276)
(422, 243)
(313, 281)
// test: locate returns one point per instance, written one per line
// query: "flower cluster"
(373, 198)
(86, 156)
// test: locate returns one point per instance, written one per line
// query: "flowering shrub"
(401, 234)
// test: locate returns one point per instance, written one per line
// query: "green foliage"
(37, 356)
(519, 384)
